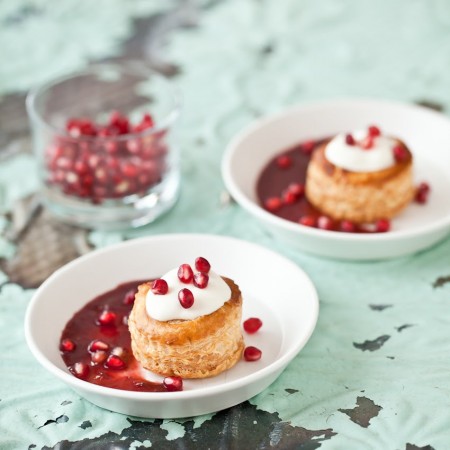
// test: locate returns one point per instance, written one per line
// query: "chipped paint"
(379, 307)
(363, 412)
(372, 345)
(174, 429)
(441, 281)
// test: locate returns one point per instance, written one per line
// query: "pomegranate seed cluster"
(96, 344)
(293, 193)
(186, 298)
(101, 162)
(187, 276)
(100, 351)
(367, 143)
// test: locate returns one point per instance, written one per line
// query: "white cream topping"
(357, 159)
(206, 301)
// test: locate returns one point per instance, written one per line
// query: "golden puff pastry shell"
(198, 348)
(361, 197)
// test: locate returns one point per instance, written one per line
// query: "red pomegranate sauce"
(280, 190)
(112, 365)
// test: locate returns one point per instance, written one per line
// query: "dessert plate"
(273, 289)
(427, 134)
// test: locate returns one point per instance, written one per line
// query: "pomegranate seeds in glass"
(106, 146)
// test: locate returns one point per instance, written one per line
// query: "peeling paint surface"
(375, 374)
(372, 345)
(364, 411)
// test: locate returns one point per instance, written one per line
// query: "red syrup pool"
(95, 344)
(280, 190)
(101, 353)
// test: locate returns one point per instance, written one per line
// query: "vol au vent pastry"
(187, 323)
(362, 177)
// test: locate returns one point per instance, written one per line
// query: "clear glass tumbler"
(105, 140)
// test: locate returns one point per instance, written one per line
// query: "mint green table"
(376, 372)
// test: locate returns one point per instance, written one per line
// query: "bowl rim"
(275, 367)
(137, 67)
(234, 189)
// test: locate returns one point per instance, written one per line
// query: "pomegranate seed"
(288, 197)
(325, 223)
(425, 187)
(367, 143)
(80, 127)
(146, 122)
(284, 162)
(186, 298)
(119, 122)
(201, 280)
(273, 204)
(106, 132)
(308, 146)
(400, 153)
(71, 178)
(373, 131)
(421, 197)
(130, 170)
(96, 345)
(348, 226)
(115, 362)
(101, 175)
(160, 287)
(94, 161)
(297, 189)
(121, 187)
(252, 353)
(252, 325)
(87, 180)
(67, 345)
(129, 297)
(422, 193)
(349, 139)
(112, 163)
(307, 221)
(98, 357)
(80, 370)
(147, 119)
(383, 225)
(185, 273)
(202, 265)
(107, 318)
(111, 147)
(64, 163)
(133, 146)
(173, 384)
(81, 167)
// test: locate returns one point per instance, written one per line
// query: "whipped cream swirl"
(357, 159)
(206, 301)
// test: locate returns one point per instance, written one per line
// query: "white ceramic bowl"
(426, 132)
(287, 323)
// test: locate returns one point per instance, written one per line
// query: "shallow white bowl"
(426, 132)
(273, 288)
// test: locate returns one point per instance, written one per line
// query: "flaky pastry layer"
(198, 348)
(360, 197)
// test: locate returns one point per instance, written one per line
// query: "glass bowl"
(106, 145)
